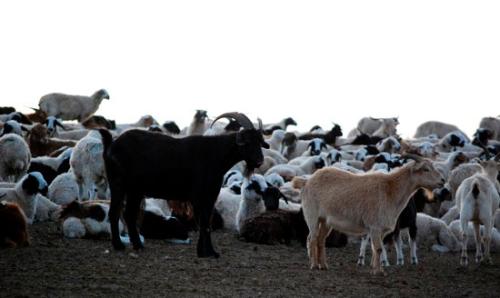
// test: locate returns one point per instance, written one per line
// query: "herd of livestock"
(263, 181)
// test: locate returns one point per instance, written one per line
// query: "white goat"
(359, 204)
(477, 200)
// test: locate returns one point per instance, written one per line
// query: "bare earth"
(54, 266)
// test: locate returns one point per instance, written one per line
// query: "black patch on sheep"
(364, 139)
(289, 121)
(155, 226)
(31, 185)
(21, 118)
(7, 128)
(319, 164)
(236, 189)
(48, 173)
(200, 115)
(171, 127)
(456, 141)
(269, 130)
(154, 128)
(7, 110)
(371, 150)
(140, 163)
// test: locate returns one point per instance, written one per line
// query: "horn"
(260, 124)
(242, 119)
(35, 109)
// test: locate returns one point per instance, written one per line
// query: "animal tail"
(475, 190)
(299, 182)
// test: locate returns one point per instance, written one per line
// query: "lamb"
(292, 147)
(437, 128)
(360, 204)
(477, 200)
(46, 209)
(13, 227)
(315, 147)
(252, 203)
(87, 219)
(434, 229)
(199, 123)
(72, 107)
(40, 144)
(25, 194)
(52, 123)
(493, 124)
(15, 157)
(186, 169)
(87, 165)
(288, 171)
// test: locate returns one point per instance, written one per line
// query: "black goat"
(140, 163)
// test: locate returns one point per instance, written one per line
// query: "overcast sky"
(317, 61)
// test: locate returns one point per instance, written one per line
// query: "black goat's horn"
(260, 124)
(242, 119)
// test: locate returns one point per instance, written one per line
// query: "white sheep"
(25, 194)
(87, 165)
(64, 189)
(15, 157)
(493, 124)
(440, 129)
(433, 229)
(359, 204)
(389, 144)
(199, 124)
(252, 203)
(13, 126)
(477, 199)
(227, 205)
(454, 159)
(308, 166)
(276, 139)
(53, 162)
(72, 107)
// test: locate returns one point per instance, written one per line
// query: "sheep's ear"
(58, 123)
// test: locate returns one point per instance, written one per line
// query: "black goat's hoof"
(139, 246)
(213, 254)
(118, 246)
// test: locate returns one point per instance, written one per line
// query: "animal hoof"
(361, 261)
(479, 259)
(401, 262)
(323, 267)
(139, 246)
(414, 261)
(464, 261)
(378, 272)
(385, 263)
(118, 246)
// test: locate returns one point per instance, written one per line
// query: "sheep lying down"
(90, 219)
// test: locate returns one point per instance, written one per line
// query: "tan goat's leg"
(312, 246)
(324, 231)
(376, 251)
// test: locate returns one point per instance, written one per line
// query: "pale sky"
(317, 61)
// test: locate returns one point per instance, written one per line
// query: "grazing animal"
(140, 163)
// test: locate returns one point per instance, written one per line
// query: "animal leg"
(117, 197)
(131, 213)
(362, 249)
(477, 237)
(324, 231)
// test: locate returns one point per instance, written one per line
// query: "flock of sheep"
(266, 183)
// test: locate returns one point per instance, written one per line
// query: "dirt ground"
(54, 266)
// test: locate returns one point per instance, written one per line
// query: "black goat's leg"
(204, 246)
(117, 197)
(131, 214)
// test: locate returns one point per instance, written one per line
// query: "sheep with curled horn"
(140, 163)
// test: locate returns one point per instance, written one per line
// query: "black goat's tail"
(475, 191)
(107, 139)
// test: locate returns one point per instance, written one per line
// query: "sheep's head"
(316, 145)
(200, 115)
(249, 140)
(34, 183)
(319, 162)
(12, 126)
(272, 197)
(254, 187)
(171, 127)
(481, 137)
(289, 121)
(101, 94)
(52, 122)
(424, 172)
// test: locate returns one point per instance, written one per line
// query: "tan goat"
(359, 204)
